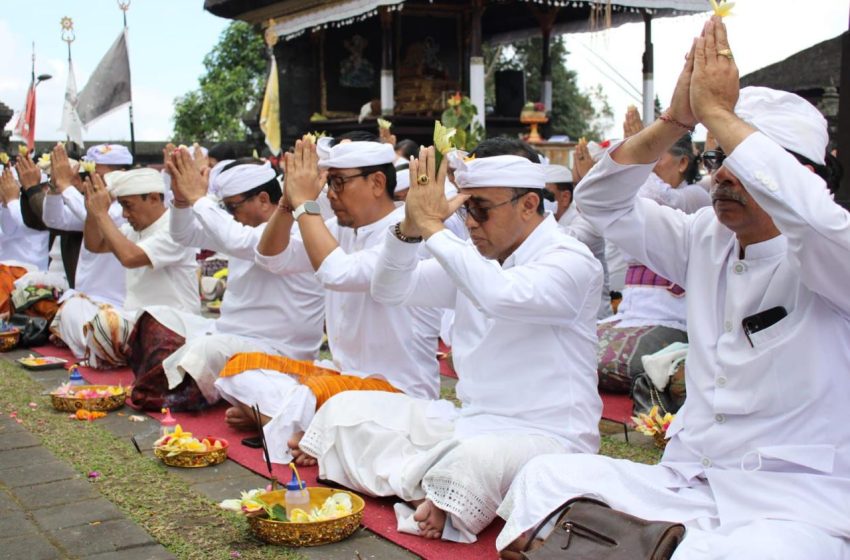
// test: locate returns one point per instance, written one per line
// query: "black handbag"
(35, 331)
(588, 529)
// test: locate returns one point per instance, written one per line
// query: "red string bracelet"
(668, 119)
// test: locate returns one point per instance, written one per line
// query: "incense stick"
(258, 420)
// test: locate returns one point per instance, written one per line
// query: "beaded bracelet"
(668, 119)
(401, 237)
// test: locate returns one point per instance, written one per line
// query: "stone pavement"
(49, 511)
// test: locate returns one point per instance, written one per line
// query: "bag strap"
(558, 511)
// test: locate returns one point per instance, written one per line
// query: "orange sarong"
(8, 275)
(324, 383)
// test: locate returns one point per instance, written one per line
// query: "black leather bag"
(588, 529)
(35, 331)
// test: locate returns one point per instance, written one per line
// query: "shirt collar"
(396, 215)
(540, 238)
(772, 247)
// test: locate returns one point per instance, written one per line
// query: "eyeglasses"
(713, 159)
(232, 207)
(337, 182)
(482, 213)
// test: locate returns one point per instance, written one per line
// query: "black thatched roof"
(812, 69)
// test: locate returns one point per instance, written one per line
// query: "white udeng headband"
(350, 155)
(243, 178)
(497, 171)
(136, 181)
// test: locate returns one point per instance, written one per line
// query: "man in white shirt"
(525, 297)
(158, 270)
(99, 278)
(260, 311)
(19, 244)
(374, 346)
(758, 460)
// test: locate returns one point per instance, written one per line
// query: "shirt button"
(721, 381)
(739, 267)
(728, 326)
(706, 462)
(719, 418)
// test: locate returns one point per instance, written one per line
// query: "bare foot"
(56, 341)
(514, 550)
(236, 418)
(431, 520)
(300, 457)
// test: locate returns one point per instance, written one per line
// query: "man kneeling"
(525, 297)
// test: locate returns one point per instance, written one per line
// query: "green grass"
(187, 524)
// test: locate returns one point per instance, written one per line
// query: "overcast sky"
(169, 38)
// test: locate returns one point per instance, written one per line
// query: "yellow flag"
(270, 113)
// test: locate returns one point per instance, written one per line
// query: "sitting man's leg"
(763, 539)
(67, 325)
(465, 486)
(646, 491)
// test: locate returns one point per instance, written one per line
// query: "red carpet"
(378, 516)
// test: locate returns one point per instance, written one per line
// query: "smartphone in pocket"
(762, 320)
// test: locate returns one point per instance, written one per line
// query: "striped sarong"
(322, 382)
(106, 338)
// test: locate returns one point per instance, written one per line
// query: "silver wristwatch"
(310, 207)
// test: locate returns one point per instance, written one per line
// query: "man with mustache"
(758, 460)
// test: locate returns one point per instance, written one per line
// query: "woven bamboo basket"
(100, 404)
(195, 459)
(9, 340)
(308, 534)
(660, 439)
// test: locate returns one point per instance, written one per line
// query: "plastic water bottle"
(297, 496)
(167, 424)
(74, 377)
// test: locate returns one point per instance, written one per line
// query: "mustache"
(724, 191)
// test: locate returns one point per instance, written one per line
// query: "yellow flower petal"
(722, 8)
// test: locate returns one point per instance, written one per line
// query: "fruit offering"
(180, 441)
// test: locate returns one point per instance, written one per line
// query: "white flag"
(71, 125)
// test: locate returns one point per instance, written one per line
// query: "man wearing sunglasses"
(757, 463)
(261, 311)
(374, 346)
(525, 297)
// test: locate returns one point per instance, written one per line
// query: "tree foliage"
(235, 75)
(574, 112)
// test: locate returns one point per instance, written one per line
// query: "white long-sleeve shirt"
(171, 278)
(524, 343)
(287, 311)
(99, 275)
(366, 337)
(19, 243)
(574, 224)
(765, 424)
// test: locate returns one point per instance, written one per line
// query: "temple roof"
(502, 18)
(814, 68)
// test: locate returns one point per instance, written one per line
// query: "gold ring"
(422, 179)
(726, 52)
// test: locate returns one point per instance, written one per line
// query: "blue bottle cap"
(293, 484)
(75, 374)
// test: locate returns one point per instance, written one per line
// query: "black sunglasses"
(713, 159)
(482, 213)
(337, 182)
(231, 207)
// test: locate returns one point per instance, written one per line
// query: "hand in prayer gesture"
(166, 153)
(28, 173)
(582, 162)
(9, 188)
(61, 173)
(632, 124)
(98, 200)
(302, 181)
(202, 161)
(714, 85)
(426, 206)
(187, 182)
